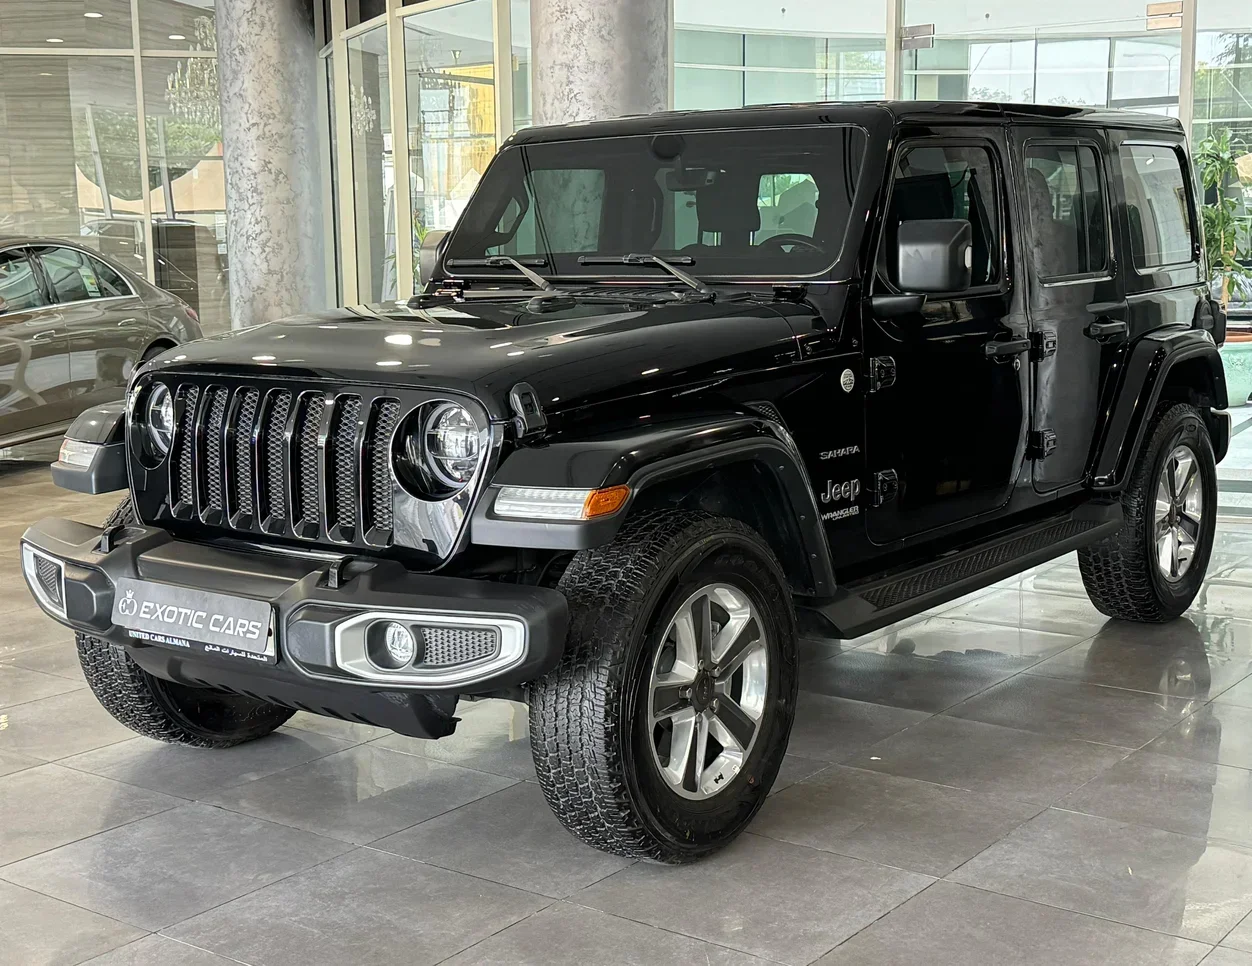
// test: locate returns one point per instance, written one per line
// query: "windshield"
(751, 203)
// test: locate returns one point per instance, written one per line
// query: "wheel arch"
(743, 466)
(1180, 366)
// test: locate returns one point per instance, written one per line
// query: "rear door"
(33, 366)
(1075, 300)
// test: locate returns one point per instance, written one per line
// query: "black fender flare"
(642, 458)
(104, 427)
(1145, 373)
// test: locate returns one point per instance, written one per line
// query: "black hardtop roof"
(869, 113)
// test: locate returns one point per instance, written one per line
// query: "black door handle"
(1107, 330)
(998, 350)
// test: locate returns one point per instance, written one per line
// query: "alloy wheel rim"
(707, 690)
(1178, 513)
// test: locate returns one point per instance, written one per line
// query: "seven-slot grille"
(304, 463)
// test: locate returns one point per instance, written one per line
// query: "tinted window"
(110, 281)
(19, 289)
(1156, 205)
(715, 200)
(947, 181)
(1066, 201)
(71, 274)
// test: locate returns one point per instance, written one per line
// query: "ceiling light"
(400, 338)
(92, 15)
(55, 40)
(177, 37)
(388, 362)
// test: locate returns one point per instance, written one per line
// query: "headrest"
(728, 205)
(1039, 195)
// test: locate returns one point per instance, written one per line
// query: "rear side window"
(111, 282)
(1066, 201)
(19, 289)
(948, 181)
(72, 276)
(1156, 206)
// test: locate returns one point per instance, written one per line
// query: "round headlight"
(159, 418)
(453, 443)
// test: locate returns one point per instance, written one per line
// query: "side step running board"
(883, 599)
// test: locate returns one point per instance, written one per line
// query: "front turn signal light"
(600, 503)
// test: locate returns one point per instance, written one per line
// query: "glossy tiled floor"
(1011, 780)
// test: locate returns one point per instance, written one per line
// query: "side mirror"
(428, 254)
(935, 255)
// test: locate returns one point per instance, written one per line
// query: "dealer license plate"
(197, 620)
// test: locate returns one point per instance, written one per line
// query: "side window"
(19, 289)
(70, 272)
(1066, 202)
(948, 181)
(1156, 206)
(788, 205)
(111, 282)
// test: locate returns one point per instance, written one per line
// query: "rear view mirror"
(428, 254)
(935, 255)
(690, 179)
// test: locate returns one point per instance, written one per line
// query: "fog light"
(390, 645)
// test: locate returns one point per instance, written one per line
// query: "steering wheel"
(791, 238)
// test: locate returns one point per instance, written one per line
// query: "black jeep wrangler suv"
(677, 390)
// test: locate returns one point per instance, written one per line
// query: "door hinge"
(1042, 344)
(1040, 443)
(886, 486)
(882, 373)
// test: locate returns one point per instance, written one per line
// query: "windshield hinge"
(882, 373)
(791, 293)
(528, 417)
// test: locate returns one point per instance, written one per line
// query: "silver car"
(73, 327)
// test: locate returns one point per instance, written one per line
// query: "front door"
(947, 403)
(1076, 305)
(33, 369)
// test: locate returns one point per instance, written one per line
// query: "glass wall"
(373, 168)
(75, 144)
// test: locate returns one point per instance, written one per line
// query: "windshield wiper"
(647, 258)
(506, 261)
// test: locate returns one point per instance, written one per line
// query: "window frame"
(1184, 165)
(1109, 272)
(36, 270)
(50, 288)
(1003, 284)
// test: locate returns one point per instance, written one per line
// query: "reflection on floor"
(1010, 779)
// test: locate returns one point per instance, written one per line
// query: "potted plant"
(1217, 158)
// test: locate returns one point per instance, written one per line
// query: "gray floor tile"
(948, 639)
(157, 950)
(1067, 709)
(493, 736)
(352, 731)
(37, 930)
(1064, 580)
(796, 769)
(1186, 658)
(360, 794)
(195, 772)
(901, 681)
(165, 868)
(1223, 956)
(1219, 598)
(774, 900)
(1044, 612)
(1216, 732)
(48, 806)
(10, 763)
(1241, 936)
(951, 925)
(1240, 694)
(511, 837)
(1176, 794)
(896, 821)
(990, 758)
(1145, 877)
(19, 685)
(400, 912)
(831, 729)
(25, 626)
(60, 726)
(60, 659)
(569, 935)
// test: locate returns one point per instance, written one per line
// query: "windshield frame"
(840, 268)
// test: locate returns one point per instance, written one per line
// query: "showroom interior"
(1007, 778)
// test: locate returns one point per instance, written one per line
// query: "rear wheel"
(663, 728)
(1151, 570)
(162, 709)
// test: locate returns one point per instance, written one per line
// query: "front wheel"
(1151, 569)
(662, 730)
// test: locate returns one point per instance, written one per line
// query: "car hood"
(589, 353)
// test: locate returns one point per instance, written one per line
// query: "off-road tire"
(589, 747)
(1120, 572)
(164, 710)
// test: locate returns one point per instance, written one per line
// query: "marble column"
(599, 58)
(267, 76)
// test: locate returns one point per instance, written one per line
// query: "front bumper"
(320, 609)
